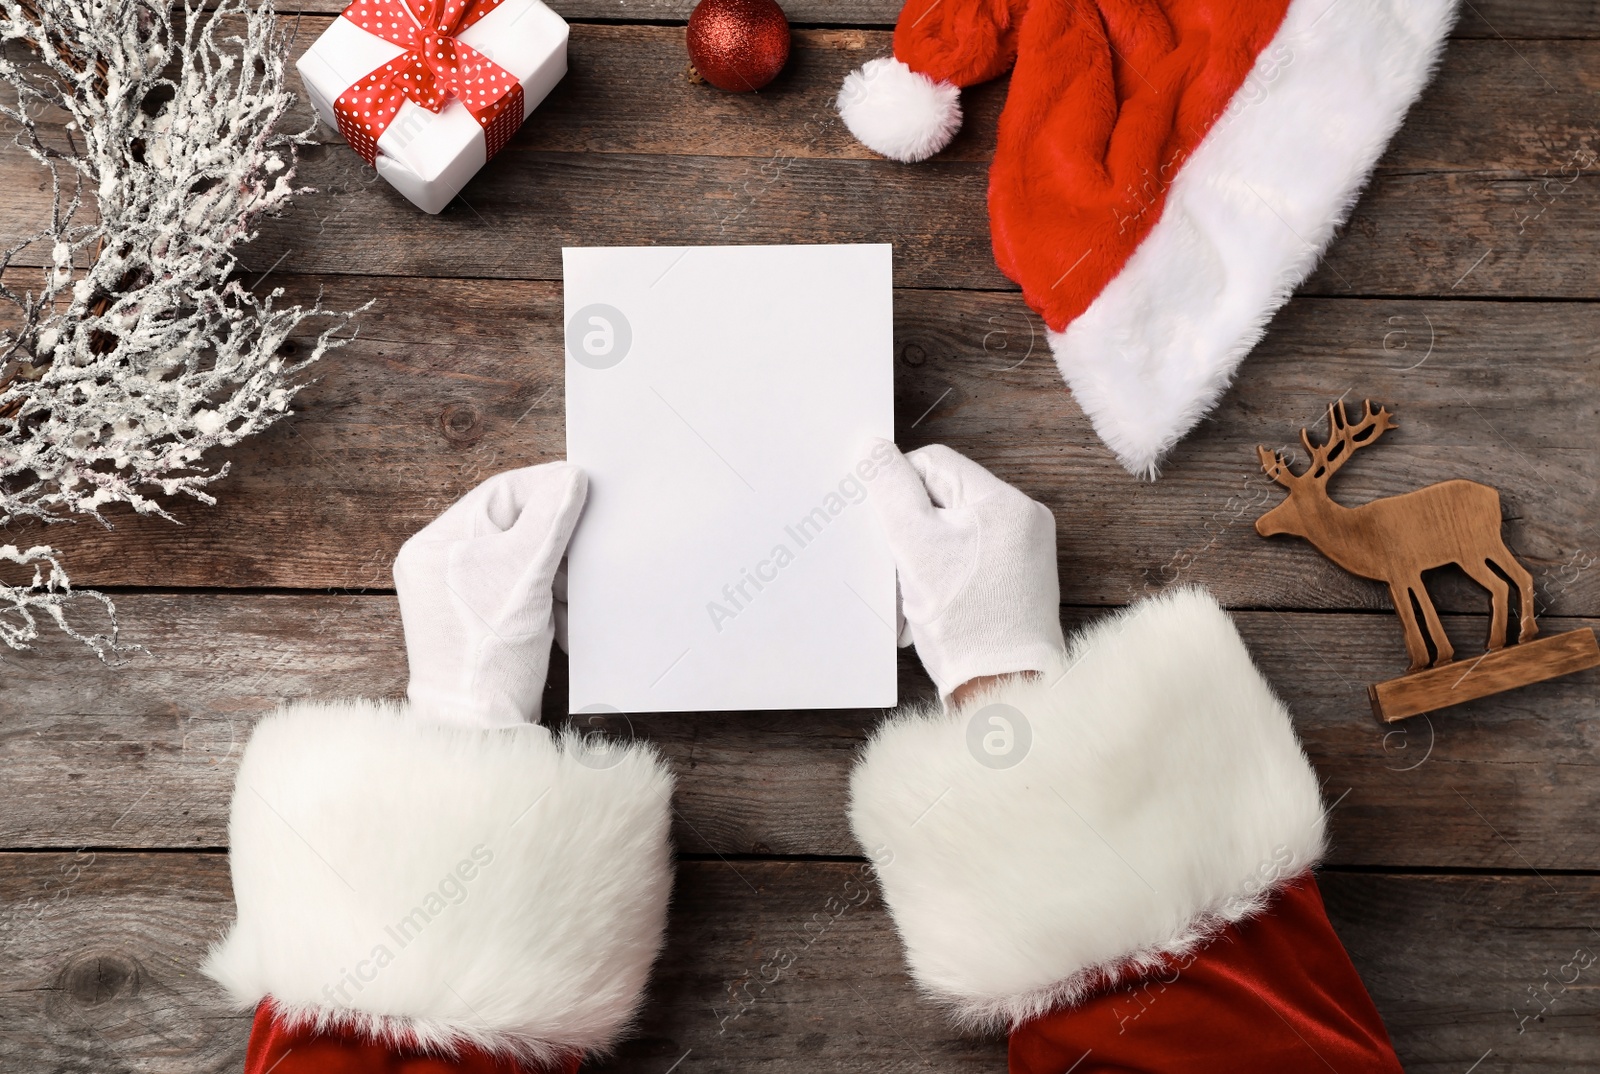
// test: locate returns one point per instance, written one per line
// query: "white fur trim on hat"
(898, 112)
(1041, 840)
(1246, 218)
(439, 885)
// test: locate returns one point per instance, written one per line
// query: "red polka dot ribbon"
(434, 68)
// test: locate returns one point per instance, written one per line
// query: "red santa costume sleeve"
(1166, 172)
(417, 897)
(1113, 861)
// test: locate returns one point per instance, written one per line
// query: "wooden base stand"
(1492, 673)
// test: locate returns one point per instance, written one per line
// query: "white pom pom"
(899, 113)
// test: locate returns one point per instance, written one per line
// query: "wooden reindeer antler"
(1275, 466)
(1327, 457)
(1344, 439)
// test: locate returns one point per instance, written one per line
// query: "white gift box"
(429, 156)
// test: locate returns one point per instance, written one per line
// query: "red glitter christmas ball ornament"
(738, 45)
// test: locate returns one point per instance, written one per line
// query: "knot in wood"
(93, 979)
(460, 423)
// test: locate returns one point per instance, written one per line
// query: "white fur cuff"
(445, 885)
(897, 112)
(1041, 840)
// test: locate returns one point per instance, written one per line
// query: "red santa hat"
(1166, 173)
(1114, 859)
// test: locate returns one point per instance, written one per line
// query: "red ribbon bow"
(434, 67)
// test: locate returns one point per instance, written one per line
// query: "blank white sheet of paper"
(720, 399)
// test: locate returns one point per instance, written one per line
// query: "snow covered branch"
(48, 595)
(140, 350)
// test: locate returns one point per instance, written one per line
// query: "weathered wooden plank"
(100, 972)
(1499, 19)
(524, 206)
(145, 755)
(775, 967)
(452, 381)
(626, 92)
(1446, 234)
(1519, 194)
(1490, 189)
(1535, 226)
(1455, 963)
(1507, 20)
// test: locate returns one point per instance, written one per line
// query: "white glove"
(476, 595)
(976, 561)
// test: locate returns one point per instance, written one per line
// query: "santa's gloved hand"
(976, 560)
(476, 595)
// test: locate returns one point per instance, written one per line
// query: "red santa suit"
(1107, 852)
(441, 885)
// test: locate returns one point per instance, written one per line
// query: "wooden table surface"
(1464, 873)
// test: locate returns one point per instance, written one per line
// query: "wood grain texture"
(1491, 673)
(144, 756)
(771, 967)
(625, 92)
(1506, 20)
(1489, 189)
(100, 968)
(451, 381)
(1454, 965)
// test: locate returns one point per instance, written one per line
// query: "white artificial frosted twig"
(140, 350)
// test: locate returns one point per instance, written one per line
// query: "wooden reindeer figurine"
(1394, 540)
